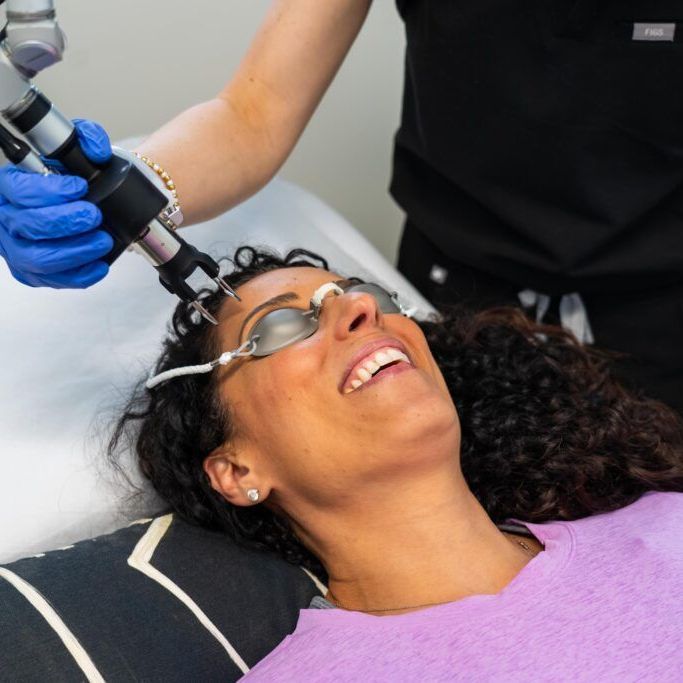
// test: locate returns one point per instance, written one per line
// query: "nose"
(352, 313)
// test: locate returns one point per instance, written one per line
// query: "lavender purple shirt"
(602, 602)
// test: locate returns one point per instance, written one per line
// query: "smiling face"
(313, 425)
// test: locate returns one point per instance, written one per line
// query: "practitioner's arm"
(222, 151)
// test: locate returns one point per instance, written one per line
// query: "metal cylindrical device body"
(14, 86)
(44, 126)
(127, 199)
(158, 244)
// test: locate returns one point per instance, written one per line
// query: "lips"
(369, 359)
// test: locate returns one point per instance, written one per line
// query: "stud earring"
(253, 495)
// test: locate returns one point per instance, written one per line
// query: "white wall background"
(133, 64)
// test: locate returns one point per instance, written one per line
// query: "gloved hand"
(48, 235)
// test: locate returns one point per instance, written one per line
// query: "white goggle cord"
(249, 347)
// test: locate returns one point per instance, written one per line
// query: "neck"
(412, 544)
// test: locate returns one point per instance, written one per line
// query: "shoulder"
(656, 517)
(654, 506)
(273, 665)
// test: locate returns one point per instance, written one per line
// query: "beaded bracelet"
(175, 212)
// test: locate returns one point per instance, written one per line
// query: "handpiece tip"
(226, 288)
(204, 313)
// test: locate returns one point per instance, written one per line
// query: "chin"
(423, 418)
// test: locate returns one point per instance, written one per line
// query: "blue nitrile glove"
(48, 235)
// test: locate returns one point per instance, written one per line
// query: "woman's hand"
(48, 234)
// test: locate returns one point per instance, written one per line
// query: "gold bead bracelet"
(165, 177)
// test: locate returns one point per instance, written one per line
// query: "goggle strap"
(245, 349)
(320, 294)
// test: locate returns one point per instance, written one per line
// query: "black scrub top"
(541, 142)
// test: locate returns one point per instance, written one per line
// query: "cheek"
(279, 381)
(418, 348)
(271, 397)
(280, 412)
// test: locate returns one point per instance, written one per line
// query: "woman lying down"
(483, 500)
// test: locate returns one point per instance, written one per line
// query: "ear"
(231, 476)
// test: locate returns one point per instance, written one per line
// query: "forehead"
(302, 281)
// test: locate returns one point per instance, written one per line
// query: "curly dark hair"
(547, 432)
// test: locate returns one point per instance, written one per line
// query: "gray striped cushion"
(159, 601)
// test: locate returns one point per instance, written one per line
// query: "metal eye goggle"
(285, 326)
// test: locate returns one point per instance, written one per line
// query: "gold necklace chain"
(330, 598)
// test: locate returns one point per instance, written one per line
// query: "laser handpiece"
(136, 213)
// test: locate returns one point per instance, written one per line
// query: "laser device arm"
(32, 35)
(135, 211)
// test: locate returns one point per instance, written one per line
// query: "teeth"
(382, 357)
(372, 365)
(364, 374)
(395, 354)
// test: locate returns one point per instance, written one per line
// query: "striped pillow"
(160, 600)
